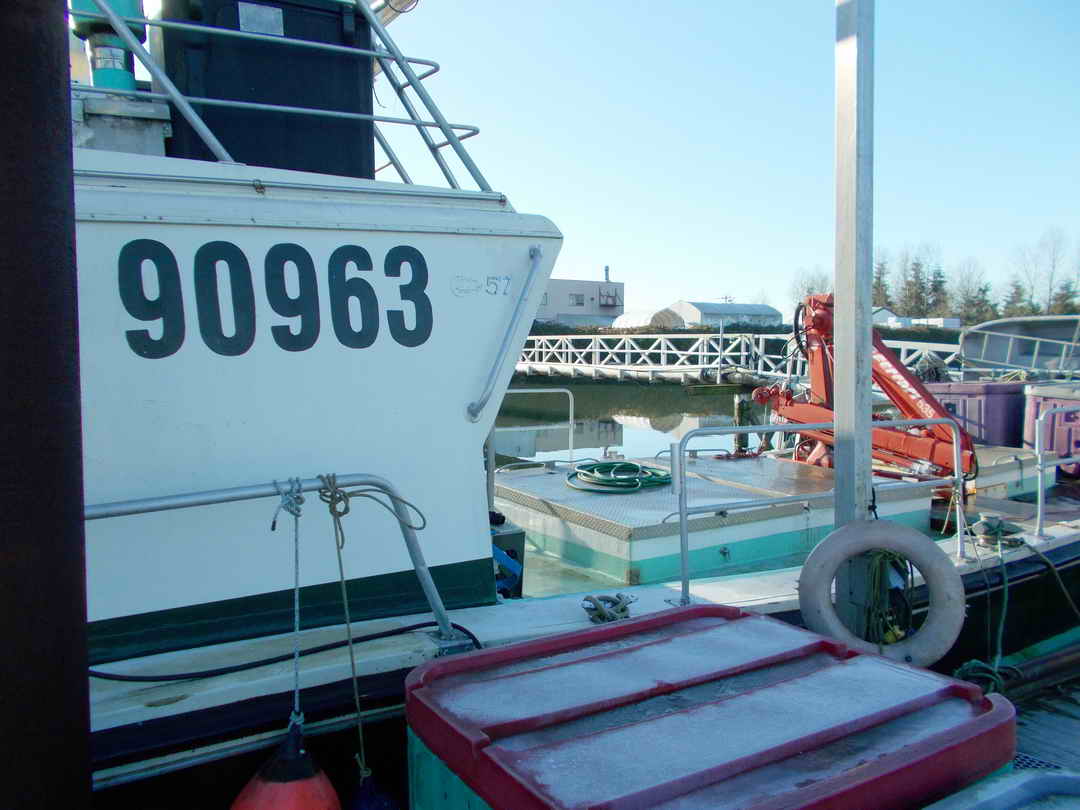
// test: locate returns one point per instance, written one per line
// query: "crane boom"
(917, 450)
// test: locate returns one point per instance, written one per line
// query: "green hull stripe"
(579, 554)
(463, 584)
(752, 555)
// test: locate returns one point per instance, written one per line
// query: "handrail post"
(416, 555)
(489, 468)
(678, 468)
(1040, 446)
(958, 490)
(1040, 495)
(569, 396)
(678, 476)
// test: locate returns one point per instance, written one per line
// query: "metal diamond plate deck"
(644, 508)
(764, 476)
(652, 513)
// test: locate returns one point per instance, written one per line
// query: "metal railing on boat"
(489, 445)
(475, 408)
(1021, 352)
(387, 57)
(1040, 465)
(218, 496)
(678, 469)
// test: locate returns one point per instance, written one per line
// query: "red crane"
(925, 450)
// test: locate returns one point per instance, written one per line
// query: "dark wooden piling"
(45, 719)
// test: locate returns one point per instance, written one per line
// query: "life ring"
(946, 616)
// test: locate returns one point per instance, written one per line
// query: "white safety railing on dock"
(914, 353)
(1041, 465)
(690, 352)
(678, 477)
(387, 57)
(489, 446)
(771, 355)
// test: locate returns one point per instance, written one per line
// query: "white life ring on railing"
(946, 616)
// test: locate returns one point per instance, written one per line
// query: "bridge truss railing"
(765, 355)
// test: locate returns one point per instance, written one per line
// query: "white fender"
(946, 616)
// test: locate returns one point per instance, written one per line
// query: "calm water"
(611, 419)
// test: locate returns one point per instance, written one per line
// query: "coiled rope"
(616, 477)
(603, 608)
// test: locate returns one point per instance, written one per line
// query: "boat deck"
(136, 704)
(765, 476)
(711, 480)
(563, 584)
(622, 515)
(632, 538)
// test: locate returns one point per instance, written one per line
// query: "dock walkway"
(687, 358)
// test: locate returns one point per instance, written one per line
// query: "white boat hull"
(373, 378)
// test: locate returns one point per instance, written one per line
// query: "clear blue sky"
(689, 145)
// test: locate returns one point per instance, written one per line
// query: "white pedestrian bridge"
(705, 357)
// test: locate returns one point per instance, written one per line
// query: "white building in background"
(707, 313)
(882, 315)
(941, 323)
(664, 319)
(898, 322)
(577, 302)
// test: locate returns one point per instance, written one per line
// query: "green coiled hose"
(616, 477)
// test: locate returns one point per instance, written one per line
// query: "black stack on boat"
(205, 65)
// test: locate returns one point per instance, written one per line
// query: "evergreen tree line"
(915, 283)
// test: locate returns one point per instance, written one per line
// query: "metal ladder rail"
(391, 155)
(272, 39)
(429, 103)
(184, 103)
(218, 496)
(434, 148)
(251, 105)
(406, 102)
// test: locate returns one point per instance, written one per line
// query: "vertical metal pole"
(45, 721)
(678, 478)
(854, 234)
(1040, 494)
(570, 394)
(958, 489)
(489, 463)
(742, 440)
(852, 314)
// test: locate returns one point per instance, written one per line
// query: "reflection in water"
(528, 441)
(675, 425)
(610, 419)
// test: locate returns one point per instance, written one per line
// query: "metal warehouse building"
(706, 313)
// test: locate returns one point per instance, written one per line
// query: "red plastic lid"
(703, 706)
